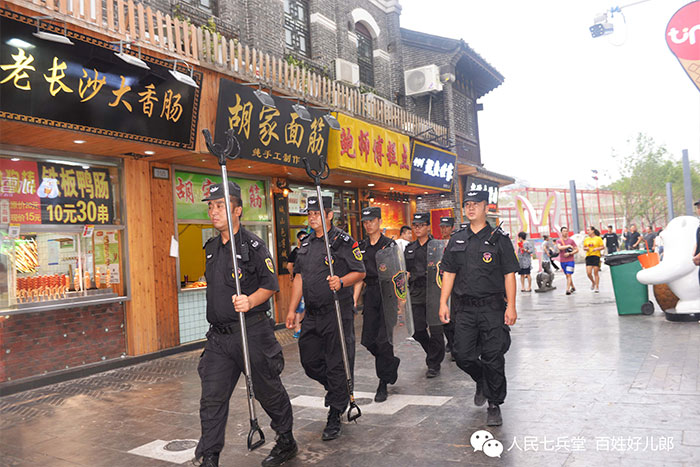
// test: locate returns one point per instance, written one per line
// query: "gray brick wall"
(260, 23)
(452, 108)
(438, 201)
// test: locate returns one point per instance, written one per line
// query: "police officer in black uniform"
(447, 224)
(374, 331)
(480, 266)
(416, 255)
(222, 362)
(319, 341)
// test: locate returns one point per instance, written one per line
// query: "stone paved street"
(585, 387)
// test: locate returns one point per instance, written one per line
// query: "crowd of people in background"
(594, 245)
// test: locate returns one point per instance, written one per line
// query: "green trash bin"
(631, 296)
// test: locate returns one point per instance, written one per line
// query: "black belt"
(234, 327)
(467, 300)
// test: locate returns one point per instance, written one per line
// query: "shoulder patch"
(270, 266)
(357, 253)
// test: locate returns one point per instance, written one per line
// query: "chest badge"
(325, 260)
(270, 267)
(382, 267)
(357, 254)
(487, 257)
(240, 274)
(209, 256)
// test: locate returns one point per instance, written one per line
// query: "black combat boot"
(493, 415)
(381, 392)
(285, 449)
(333, 427)
(210, 460)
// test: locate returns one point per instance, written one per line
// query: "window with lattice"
(296, 26)
(365, 54)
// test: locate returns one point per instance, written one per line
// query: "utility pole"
(574, 205)
(687, 188)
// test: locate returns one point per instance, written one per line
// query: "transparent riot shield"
(393, 283)
(433, 281)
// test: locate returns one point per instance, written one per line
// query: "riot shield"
(433, 281)
(393, 283)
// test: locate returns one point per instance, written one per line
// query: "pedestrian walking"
(634, 238)
(319, 343)
(567, 250)
(480, 266)
(649, 237)
(550, 250)
(593, 246)
(374, 328)
(696, 255)
(221, 363)
(611, 240)
(429, 337)
(525, 252)
(405, 237)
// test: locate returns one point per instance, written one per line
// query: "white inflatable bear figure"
(677, 269)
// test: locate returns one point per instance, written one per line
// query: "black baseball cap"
(370, 213)
(421, 218)
(447, 221)
(312, 203)
(476, 195)
(216, 191)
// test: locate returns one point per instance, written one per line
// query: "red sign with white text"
(683, 38)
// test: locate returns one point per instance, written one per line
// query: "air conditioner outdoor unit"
(423, 80)
(347, 72)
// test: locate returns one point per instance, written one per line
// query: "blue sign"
(432, 167)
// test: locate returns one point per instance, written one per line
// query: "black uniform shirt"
(610, 240)
(369, 253)
(256, 271)
(312, 264)
(416, 256)
(479, 265)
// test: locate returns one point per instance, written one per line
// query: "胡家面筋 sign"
(191, 188)
(269, 134)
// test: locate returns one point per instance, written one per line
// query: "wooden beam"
(141, 323)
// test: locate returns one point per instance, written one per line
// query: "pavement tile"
(577, 373)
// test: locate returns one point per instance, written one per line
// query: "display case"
(61, 233)
(43, 267)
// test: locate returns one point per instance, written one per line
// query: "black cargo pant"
(375, 336)
(481, 342)
(320, 351)
(220, 367)
(429, 337)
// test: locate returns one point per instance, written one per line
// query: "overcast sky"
(568, 100)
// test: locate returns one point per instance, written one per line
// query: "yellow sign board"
(363, 147)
